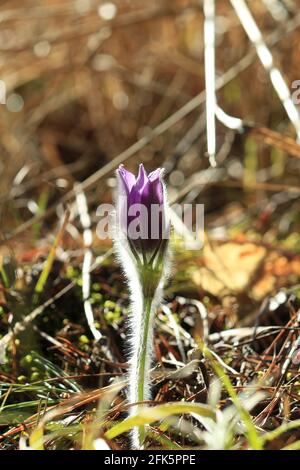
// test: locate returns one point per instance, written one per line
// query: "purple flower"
(141, 208)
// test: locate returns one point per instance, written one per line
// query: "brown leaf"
(229, 267)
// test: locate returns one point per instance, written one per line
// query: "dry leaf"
(229, 268)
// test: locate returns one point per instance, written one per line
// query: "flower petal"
(127, 178)
(147, 190)
(155, 174)
(142, 178)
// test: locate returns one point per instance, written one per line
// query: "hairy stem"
(142, 329)
(142, 372)
(145, 279)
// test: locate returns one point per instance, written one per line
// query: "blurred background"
(86, 79)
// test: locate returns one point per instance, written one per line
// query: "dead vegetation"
(87, 89)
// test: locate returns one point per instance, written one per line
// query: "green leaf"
(148, 415)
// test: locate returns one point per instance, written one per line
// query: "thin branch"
(210, 78)
(85, 220)
(248, 22)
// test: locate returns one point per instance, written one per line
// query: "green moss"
(84, 339)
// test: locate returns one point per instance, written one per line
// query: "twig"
(248, 22)
(49, 262)
(85, 220)
(210, 78)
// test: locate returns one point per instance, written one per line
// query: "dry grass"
(90, 93)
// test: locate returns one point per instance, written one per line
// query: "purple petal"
(127, 178)
(147, 190)
(155, 174)
(134, 196)
(155, 191)
(152, 193)
(142, 178)
(158, 191)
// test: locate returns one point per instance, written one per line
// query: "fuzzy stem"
(142, 372)
(139, 389)
(145, 278)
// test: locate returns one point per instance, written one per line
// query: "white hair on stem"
(141, 319)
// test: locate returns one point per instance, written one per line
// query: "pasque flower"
(141, 242)
(142, 208)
